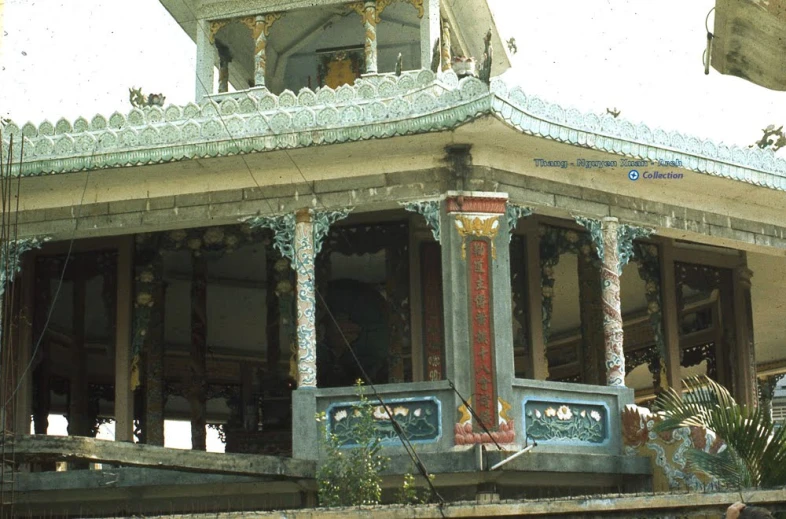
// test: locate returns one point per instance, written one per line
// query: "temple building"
(355, 192)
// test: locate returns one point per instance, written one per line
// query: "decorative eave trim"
(375, 107)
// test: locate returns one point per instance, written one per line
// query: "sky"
(78, 58)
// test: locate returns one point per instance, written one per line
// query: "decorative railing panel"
(569, 418)
(420, 419)
(566, 422)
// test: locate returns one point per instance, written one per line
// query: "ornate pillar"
(614, 244)
(430, 27)
(261, 30)
(447, 64)
(477, 296)
(306, 300)
(298, 237)
(196, 390)
(370, 25)
(147, 366)
(612, 312)
(745, 354)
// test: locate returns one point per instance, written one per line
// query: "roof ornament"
(775, 144)
(138, 99)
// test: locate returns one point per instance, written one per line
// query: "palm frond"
(755, 454)
(727, 467)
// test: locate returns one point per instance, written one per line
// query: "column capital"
(624, 236)
(283, 227)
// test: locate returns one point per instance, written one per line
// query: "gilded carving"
(216, 26)
(479, 227)
(358, 7)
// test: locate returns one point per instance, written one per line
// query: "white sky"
(79, 57)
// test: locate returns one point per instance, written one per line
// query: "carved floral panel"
(419, 418)
(566, 422)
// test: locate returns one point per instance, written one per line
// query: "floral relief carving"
(420, 420)
(566, 422)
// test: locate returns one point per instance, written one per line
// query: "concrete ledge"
(75, 448)
(121, 477)
(658, 505)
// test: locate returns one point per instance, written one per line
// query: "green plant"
(351, 476)
(754, 455)
(410, 494)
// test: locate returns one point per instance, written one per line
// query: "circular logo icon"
(633, 174)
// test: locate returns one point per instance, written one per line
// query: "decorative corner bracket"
(429, 209)
(322, 222)
(11, 255)
(283, 227)
(513, 213)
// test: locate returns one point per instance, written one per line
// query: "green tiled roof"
(377, 107)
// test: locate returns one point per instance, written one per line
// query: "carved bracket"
(283, 227)
(322, 222)
(513, 213)
(11, 256)
(626, 234)
(596, 234)
(257, 24)
(429, 209)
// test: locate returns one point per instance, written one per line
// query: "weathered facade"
(240, 261)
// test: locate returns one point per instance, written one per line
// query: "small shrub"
(410, 494)
(350, 476)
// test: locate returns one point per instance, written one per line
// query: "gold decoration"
(464, 416)
(359, 7)
(417, 4)
(216, 26)
(480, 227)
(263, 23)
(266, 21)
(504, 407)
